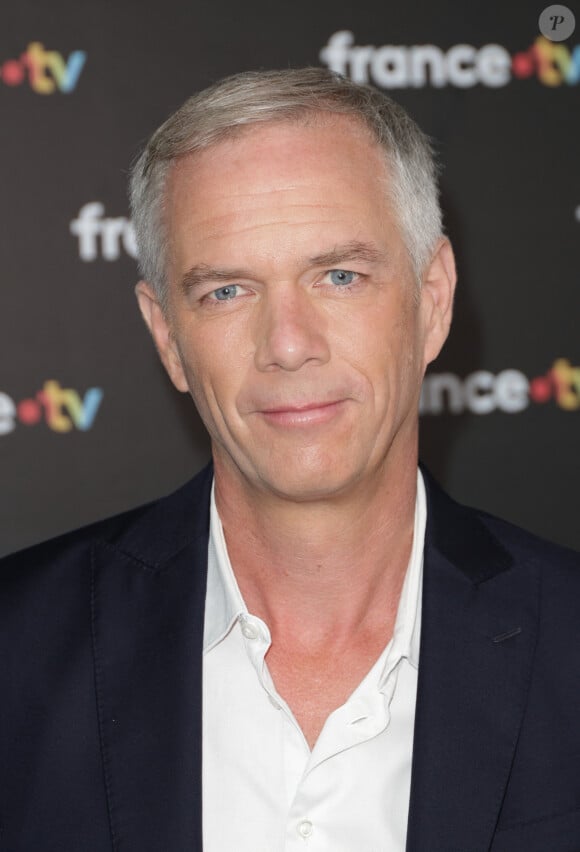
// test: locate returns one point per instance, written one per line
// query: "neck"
(328, 567)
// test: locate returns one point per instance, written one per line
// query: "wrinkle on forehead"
(261, 144)
(278, 186)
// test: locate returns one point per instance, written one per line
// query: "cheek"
(214, 377)
(195, 360)
(388, 354)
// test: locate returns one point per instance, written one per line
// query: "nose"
(290, 332)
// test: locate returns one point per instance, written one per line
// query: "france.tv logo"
(395, 66)
(45, 71)
(61, 409)
(510, 391)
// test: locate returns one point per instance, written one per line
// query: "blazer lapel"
(147, 608)
(479, 624)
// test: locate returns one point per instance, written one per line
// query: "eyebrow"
(352, 251)
(202, 273)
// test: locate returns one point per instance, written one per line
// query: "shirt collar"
(407, 632)
(224, 602)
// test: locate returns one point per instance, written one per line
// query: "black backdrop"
(89, 425)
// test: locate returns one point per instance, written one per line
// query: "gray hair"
(224, 109)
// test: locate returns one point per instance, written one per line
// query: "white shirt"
(264, 790)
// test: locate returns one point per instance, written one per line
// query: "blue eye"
(341, 276)
(225, 293)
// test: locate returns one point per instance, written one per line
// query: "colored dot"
(12, 72)
(29, 412)
(541, 389)
(523, 65)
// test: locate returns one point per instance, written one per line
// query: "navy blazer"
(101, 637)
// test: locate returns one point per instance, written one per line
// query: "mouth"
(305, 414)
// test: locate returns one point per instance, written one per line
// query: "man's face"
(292, 314)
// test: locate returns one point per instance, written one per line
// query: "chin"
(304, 492)
(304, 483)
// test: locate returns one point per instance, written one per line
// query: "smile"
(310, 414)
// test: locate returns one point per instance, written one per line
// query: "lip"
(309, 414)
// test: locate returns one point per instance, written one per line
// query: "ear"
(162, 334)
(437, 291)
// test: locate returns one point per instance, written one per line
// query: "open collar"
(479, 617)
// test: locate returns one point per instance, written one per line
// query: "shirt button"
(249, 630)
(305, 828)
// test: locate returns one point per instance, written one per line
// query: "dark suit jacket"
(100, 686)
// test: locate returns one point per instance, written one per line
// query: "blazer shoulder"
(528, 547)
(480, 543)
(146, 533)
(557, 567)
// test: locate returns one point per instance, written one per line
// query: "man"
(382, 668)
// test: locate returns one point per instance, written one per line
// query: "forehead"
(277, 183)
